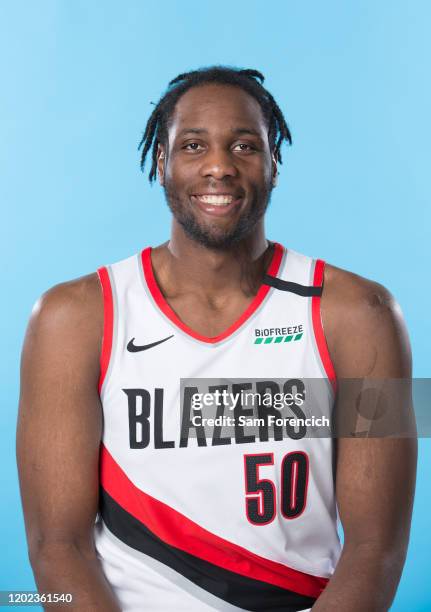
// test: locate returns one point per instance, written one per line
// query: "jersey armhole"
(319, 333)
(108, 324)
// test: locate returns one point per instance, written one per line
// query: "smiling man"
(131, 501)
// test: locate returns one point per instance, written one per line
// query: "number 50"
(261, 492)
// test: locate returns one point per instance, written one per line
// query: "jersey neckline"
(163, 305)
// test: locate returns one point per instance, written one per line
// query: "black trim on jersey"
(241, 591)
(283, 285)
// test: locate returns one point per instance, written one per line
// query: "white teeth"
(216, 200)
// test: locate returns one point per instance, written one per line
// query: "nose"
(218, 163)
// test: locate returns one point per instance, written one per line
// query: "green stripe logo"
(278, 339)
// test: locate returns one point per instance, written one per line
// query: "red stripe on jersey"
(177, 530)
(108, 323)
(167, 310)
(318, 326)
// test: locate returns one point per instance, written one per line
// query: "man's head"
(216, 136)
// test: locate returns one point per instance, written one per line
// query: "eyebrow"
(239, 130)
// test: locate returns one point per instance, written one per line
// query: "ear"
(274, 171)
(161, 157)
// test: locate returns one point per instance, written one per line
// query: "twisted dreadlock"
(156, 129)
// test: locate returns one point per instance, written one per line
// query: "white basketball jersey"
(199, 514)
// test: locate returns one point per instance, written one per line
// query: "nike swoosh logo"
(132, 348)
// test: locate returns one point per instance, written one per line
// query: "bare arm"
(58, 438)
(375, 477)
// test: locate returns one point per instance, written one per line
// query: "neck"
(185, 265)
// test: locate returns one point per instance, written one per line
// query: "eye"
(245, 147)
(192, 146)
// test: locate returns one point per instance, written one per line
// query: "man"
(207, 517)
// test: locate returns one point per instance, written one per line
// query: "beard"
(210, 235)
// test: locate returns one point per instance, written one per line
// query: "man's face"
(217, 170)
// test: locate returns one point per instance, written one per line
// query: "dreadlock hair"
(156, 130)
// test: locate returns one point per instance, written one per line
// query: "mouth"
(220, 204)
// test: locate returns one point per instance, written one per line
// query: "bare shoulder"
(348, 295)
(364, 326)
(77, 301)
(70, 314)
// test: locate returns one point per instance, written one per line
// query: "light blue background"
(77, 79)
